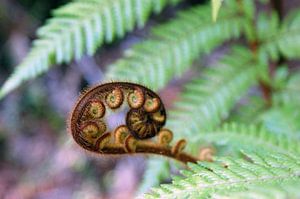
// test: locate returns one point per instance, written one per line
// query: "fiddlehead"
(145, 119)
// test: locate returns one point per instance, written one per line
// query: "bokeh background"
(38, 158)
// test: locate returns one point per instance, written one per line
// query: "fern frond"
(208, 99)
(229, 176)
(248, 109)
(290, 93)
(283, 120)
(232, 137)
(288, 189)
(78, 28)
(284, 40)
(174, 46)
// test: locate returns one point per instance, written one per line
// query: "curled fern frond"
(78, 28)
(229, 176)
(175, 45)
(207, 100)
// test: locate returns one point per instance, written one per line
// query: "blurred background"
(38, 158)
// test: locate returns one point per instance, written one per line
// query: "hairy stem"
(148, 147)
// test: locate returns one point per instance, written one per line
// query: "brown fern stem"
(150, 148)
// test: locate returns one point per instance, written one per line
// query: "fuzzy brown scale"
(145, 119)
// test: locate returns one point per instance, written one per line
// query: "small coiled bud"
(178, 147)
(120, 134)
(115, 98)
(165, 136)
(103, 141)
(152, 105)
(96, 109)
(130, 144)
(136, 98)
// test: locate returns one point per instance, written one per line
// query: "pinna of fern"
(289, 94)
(279, 39)
(208, 99)
(230, 138)
(174, 45)
(79, 28)
(228, 176)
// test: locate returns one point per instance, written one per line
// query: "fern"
(80, 28)
(279, 39)
(230, 176)
(209, 98)
(290, 93)
(247, 110)
(283, 120)
(174, 46)
(210, 111)
(287, 189)
(232, 137)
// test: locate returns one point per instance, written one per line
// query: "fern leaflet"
(208, 99)
(229, 176)
(78, 28)
(174, 46)
(232, 137)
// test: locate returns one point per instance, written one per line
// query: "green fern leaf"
(228, 176)
(247, 109)
(283, 120)
(290, 93)
(208, 99)
(232, 137)
(284, 40)
(174, 46)
(78, 28)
